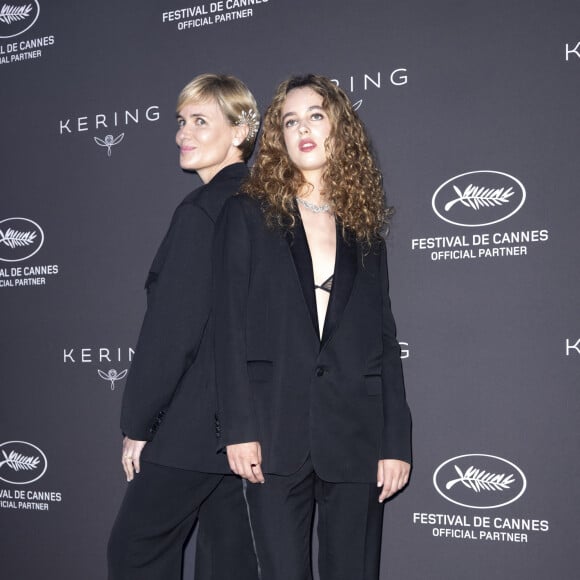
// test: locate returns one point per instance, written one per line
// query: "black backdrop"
(473, 110)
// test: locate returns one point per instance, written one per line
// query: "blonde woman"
(168, 413)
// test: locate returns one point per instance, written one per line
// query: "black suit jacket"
(342, 399)
(169, 397)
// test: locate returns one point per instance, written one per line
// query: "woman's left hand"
(131, 458)
(392, 476)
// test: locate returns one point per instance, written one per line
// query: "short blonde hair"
(232, 96)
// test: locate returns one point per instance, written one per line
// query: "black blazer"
(342, 399)
(169, 397)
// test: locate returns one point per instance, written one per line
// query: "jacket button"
(319, 371)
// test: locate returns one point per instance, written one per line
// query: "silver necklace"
(313, 207)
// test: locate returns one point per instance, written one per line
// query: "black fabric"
(316, 398)
(169, 398)
(157, 515)
(303, 264)
(349, 526)
(170, 401)
(345, 271)
(225, 548)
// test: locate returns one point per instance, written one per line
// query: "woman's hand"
(245, 460)
(131, 456)
(392, 476)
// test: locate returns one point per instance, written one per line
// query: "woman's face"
(207, 141)
(306, 127)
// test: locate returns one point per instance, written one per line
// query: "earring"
(236, 143)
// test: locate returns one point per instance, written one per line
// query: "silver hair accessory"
(250, 119)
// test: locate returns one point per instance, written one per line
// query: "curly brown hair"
(352, 181)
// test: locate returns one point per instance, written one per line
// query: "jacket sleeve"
(396, 439)
(178, 309)
(232, 263)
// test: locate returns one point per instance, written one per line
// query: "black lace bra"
(326, 285)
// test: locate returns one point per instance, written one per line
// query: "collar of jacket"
(233, 171)
(345, 270)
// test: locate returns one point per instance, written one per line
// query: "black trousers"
(159, 510)
(350, 522)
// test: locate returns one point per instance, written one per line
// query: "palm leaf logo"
(13, 238)
(478, 197)
(10, 14)
(19, 462)
(480, 480)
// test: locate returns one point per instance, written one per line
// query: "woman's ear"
(240, 134)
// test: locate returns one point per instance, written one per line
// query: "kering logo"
(478, 198)
(20, 239)
(18, 17)
(91, 355)
(109, 121)
(479, 481)
(106, 121)
(21, 463)
(112, 376)
(109, 141)
(366, 82)
(102, 356)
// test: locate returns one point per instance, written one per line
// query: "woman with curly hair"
(311, 396)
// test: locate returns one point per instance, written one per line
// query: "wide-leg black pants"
(159, 510)
(350, 521)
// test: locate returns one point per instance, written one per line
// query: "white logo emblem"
(479, 481)
(109, 141)
(112, 376)
(21, 462)
(478, 198)
(20, 238)
(17, 17)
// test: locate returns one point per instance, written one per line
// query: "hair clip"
(249, 118)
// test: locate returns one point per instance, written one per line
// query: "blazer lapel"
(345, 270)
(298, 244)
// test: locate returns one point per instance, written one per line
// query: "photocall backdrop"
(473, 111)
